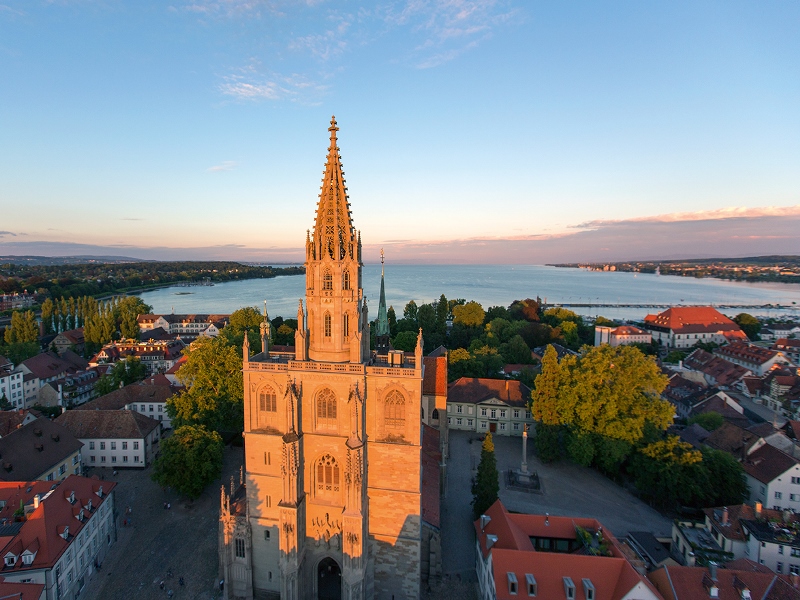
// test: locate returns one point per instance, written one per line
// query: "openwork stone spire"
(334, 236)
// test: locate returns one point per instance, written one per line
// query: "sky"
(471, 131)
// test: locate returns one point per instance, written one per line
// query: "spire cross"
(381, 262)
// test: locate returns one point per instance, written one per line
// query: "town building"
(43, 369)
(773, 477)
(22, 591)
(791, 348)
(114, 438)
(156, 356)
(772, 539)
(713, 370)
(620, 336)
(11, 384)
(341, 489)
(11, 420)
(434, 398)
(62, 536)
(146, 398)
(188, 327)
(543, 556)
(72, 339)
(684, 326)
(755, 359)
(692, 583)
(73, 389)
(16, 301)
(776, 331)
(497, 406)
(41, 449)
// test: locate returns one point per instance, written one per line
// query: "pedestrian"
(165, 506)
(169, 506)
(221, 585)
(161, 585)
(180, 581)
(169, 594)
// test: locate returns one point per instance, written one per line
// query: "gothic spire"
(382, 326)
(334, 235)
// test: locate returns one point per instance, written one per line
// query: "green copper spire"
(382, 328)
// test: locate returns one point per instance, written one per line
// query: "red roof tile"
(434, 383)
(476, 390)
(692, 319)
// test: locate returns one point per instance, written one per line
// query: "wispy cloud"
(324, 46)
(11, 233)
(6, 9)
(225, 165)
(730, 212)
(131, 219)
(248, 83)
(447, 28)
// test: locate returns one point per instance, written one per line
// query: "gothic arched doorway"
(329, 580)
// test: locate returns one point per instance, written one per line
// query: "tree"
(486, 486)
(668, 471)
(214, 394)
(406, 341)
(724, 479)
(392, 317)
(470, 314)
(47, 315)
(442, 312)
(126, 312)
(4, 403)
(708, 421)
(548, 442)
(569, 330)
(126, 371)
(527, 309)
(247, 319)
(545, 396)
(410, 311)
(23, 328)
(749, 324)
(190, 459)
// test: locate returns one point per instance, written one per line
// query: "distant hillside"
(50, 261)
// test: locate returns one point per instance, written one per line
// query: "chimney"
(36, 501)
(712, 569)
(485, 521)
(491, 540)
(724, 520)
(757, 509)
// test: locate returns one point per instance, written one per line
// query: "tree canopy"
(749, 324)
(190, 459)
(608, 391)
(214, 394)
(486, 486)
(469, 315)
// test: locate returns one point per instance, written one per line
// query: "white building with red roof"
(488, 405)
(620, 336)
(754, 358)
(684, 326)
(61, 534)
(541, 556)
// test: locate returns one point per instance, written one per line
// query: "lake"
(493, 285)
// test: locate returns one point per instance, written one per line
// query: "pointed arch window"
(326, 324)
(327, 280)
(327, 476)
(346, 326)
(326, 408)
(346, 280)
(267, 400)
(395, 411)
(435, 414)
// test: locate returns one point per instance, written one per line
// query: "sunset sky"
(470, 130)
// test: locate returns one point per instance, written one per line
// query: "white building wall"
(116, 453)
(781, 493)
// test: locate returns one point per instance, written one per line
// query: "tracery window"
(239, 548)
(267, 400)
(346, 280)
(435, 414)
(395, 410)
(326, 408)
(326, 322)
(327, 281)
(327, 476)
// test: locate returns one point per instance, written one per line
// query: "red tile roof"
(130, 394)
(431, 458)
(55, 512)
(476, 390)
(434, 383)
(21, 591)
(613, 577)
(692, 319)
(119, 424)
(746, 352)
(767, 463)
(682, 583)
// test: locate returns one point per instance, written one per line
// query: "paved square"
(568, 490)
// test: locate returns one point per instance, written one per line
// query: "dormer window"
(588, 589)
(27, 558)
(11, 559)
(72, 497)
(65, 534)
(99, 492)
(89, 505)
(569, 588)
(512, 583)
(530, 583)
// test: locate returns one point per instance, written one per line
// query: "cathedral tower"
(331, 504)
